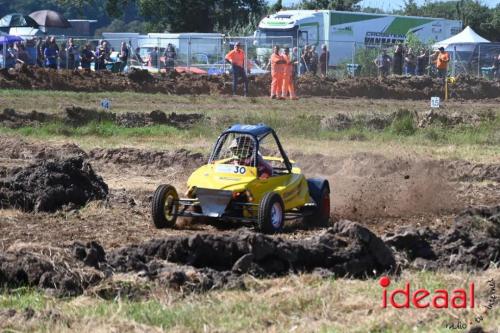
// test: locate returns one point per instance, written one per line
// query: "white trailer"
(343, 31)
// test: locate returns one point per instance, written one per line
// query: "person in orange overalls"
(288, 85)
(277, 71)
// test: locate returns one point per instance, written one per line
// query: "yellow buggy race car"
(249, 179)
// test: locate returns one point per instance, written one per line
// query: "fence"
(205, 55)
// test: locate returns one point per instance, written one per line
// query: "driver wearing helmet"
(242, 148)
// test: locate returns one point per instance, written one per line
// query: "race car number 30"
(236, 169)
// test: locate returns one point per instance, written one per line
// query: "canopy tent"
(50, 19)
(17, 20)
(469, 52)
(463, 41)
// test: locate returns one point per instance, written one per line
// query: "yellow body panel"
(292, 187)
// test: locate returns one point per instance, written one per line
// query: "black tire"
(163, 210)
(321, 215)
(271, 217)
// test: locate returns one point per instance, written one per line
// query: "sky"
(390, 5)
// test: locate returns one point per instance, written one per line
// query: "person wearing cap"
(288, 85)
(442, 59)
(277, 72)
(242, 148)
(236, 58)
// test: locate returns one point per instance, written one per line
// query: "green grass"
(97, 129)
(307, 127)
(22, 298)
(297, 303)
(298, 124)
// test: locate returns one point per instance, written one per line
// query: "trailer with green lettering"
(343, 32)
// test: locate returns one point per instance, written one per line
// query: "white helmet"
(242, 146)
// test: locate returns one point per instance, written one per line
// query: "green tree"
(485, 21)
(194, 15)
(278, 5)
(349, 5)
(410, 8)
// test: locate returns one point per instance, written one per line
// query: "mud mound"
(473, 242)
(342, 121)
(197, 263)
(162, 159)
(12, 119)
(14, 148)
(347, 249)
(78, 116)
(50, 184)
(47, 268)
(134, 119)
(395, 87)
(372, 121)
(447, 119)
(140, 76)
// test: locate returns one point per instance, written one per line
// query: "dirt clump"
(347, 249)
(19, 149)
(197, 263)
(140, 76)
(395, 87)
(134, 119)
(343, 121)
(50, 268)
(12, 119)
(447, 119)
(471, 243)
(47, 185)
(77, 116)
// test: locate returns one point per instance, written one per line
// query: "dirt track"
(415, 208)
(180, 84)
(77, 116)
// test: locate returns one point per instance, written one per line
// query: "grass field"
(296, 303)
(304, 303)
(297, 123)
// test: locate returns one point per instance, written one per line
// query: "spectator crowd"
(410, 62)
(407, 61)
(99, 55)
(49, 53)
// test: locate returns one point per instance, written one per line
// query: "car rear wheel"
(321, 214)
(271, 217)
(164, 206)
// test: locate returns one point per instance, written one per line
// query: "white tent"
(463, 41)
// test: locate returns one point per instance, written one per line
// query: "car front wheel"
(271, 217)
(164, 206)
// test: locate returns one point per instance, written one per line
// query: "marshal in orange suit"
(277, 72)
(288, 85)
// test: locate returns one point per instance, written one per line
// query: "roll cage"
(258, 133)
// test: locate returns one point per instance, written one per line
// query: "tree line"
(238, 16)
